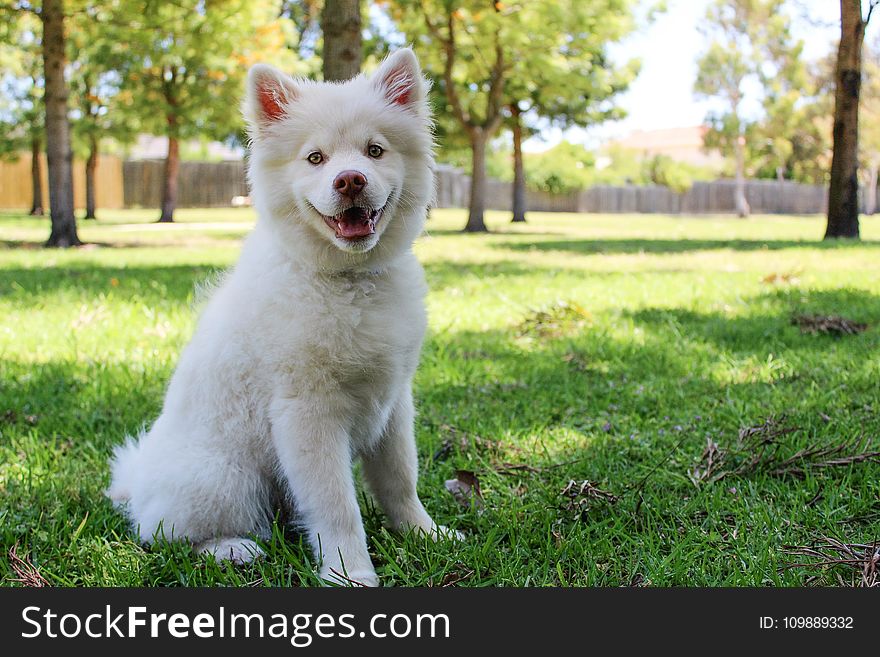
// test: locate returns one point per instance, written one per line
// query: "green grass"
(676, 333)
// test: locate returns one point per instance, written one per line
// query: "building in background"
(680, 144)
(151, 147)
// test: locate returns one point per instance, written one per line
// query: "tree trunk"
(169, 189)
(843, 192)
(341, 25)
(475, 222)
(58, 150)
(36, 177)
(739, 196)
(871, 188)
(91, 168)
(519, 172)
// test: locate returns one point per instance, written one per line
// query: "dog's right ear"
(269, 93)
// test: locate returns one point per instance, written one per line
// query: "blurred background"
(703, 106)
(643, 360)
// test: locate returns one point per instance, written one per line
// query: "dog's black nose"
(350, 183)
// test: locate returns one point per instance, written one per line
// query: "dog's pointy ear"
(399, 79)
(269, 92)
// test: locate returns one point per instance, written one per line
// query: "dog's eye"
(375, 150)
(315, 157)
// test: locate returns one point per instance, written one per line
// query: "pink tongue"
(356, 229)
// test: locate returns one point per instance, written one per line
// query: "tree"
(59, 153)
(793, 140)
(564, 168)
(843, 191)
(721, 73)
(475, 49)
(561, 72)
(739, 34)
(189, 61)
(95, 85)
(869, 125)
(519, 170)
(22, 119)
(341, 25)
(461, 47)
(790, 99)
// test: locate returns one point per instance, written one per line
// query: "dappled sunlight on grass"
(606, 349)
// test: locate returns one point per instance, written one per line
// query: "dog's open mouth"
(355, 222)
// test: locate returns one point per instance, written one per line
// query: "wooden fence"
(16, 188)
(199, 184)
(764, 196)
(138, 183)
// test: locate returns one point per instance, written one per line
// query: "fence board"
(16, 192)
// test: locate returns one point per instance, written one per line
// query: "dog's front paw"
(444, 533)
(236, 550)
(435, 532)
(338, 577)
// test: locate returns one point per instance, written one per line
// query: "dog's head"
(342, 164)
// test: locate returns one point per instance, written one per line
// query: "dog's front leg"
(391, 470)
(314, 451)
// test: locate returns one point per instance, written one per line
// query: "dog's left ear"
(399, 79)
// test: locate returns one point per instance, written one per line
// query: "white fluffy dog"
(303, 360)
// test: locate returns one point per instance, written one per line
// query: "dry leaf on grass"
(459, 574)
(560, 319)
(786, 278)
(638, 581)
(828, 324)
(465, 488)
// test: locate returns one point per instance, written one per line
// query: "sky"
(662, 95)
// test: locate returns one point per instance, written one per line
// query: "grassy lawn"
(630, 352)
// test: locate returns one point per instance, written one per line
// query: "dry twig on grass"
(828, 324)
(581, 494)
(463, 441)
(711, 460)
(763, 449)
(26, 572)
(829, 552)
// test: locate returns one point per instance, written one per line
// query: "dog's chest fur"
(349, 340)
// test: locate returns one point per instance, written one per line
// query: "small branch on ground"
(830, 552)
(581, 494)
(26, 572)
(762, 449)
(828, 324)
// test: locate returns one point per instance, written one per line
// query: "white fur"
(303, 359)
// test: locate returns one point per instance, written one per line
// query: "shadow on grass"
(179, 240)
(765, 325)
(172, 282)
(679, 364)
(661, 246)
(613, 407)
(177, 282)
